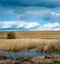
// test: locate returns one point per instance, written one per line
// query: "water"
(25, 53)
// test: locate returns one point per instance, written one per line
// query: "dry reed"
(24, 44)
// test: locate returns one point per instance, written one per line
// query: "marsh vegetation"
(46, 45)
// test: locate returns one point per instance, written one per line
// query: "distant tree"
(11, 35)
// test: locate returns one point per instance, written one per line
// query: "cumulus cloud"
(30, 26)
(51, 25)
(48, 27)
(18, 24)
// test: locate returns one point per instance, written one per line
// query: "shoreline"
(31, 60)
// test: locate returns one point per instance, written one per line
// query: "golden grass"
(33, 34)
(24, 44)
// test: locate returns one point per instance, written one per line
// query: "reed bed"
(26, 44)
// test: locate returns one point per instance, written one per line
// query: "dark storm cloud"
(23, 3)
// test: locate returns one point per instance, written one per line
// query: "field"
(26, 40)
(33, 34)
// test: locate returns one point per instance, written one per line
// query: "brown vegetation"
(31, 60)
(33, 34)
(24, 44)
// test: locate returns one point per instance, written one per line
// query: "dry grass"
(24, 44)
(34, 34)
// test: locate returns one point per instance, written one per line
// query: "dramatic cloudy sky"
(30, 15)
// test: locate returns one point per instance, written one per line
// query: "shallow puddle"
(25, 53)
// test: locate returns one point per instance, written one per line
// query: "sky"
(29, 15)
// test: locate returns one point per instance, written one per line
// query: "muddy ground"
(30, 60)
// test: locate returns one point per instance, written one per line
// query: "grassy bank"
(26, 44)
